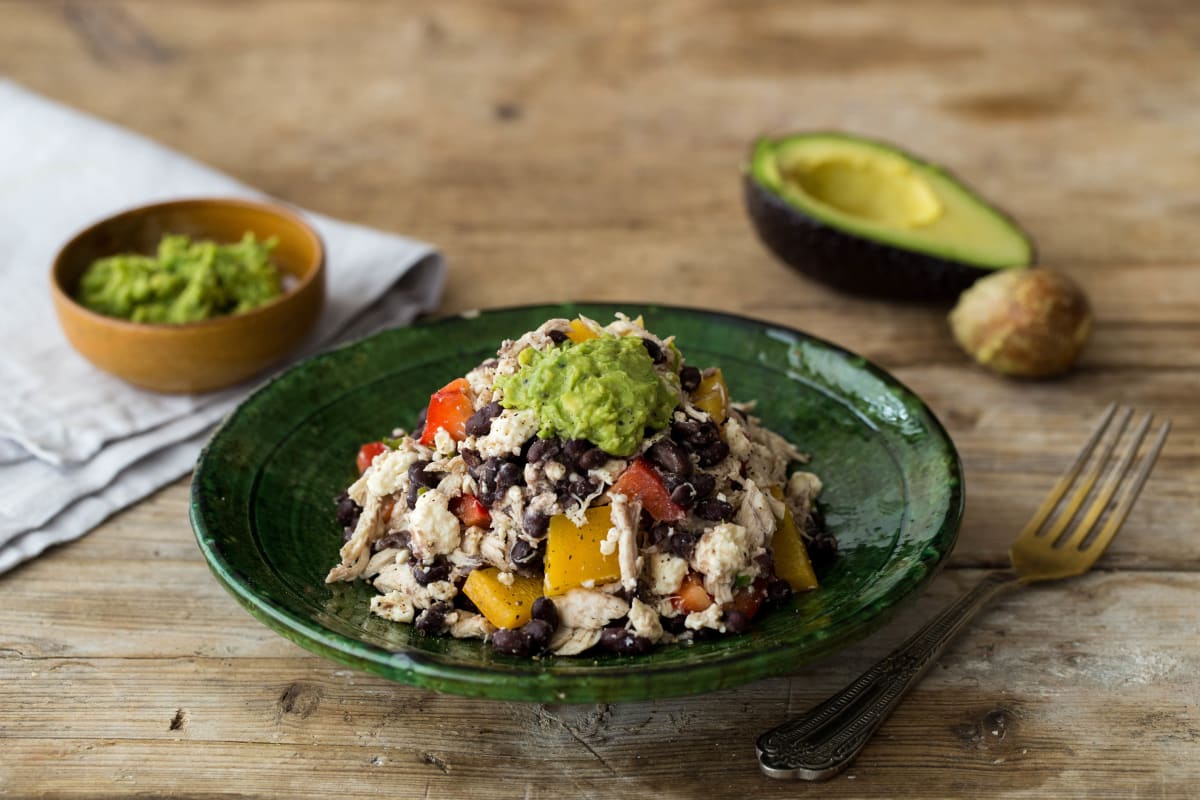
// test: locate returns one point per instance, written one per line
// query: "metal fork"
(823, 741)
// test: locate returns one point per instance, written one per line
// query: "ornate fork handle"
(823, 741)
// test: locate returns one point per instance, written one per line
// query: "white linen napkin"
(77, 444)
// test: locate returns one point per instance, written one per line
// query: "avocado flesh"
(847, 209)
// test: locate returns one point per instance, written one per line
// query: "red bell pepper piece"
(690, 596)
(641, 482)
(470, 510)
(449, 409)
(367, 453)
(749, 599)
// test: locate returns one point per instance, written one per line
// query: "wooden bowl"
(195, 356)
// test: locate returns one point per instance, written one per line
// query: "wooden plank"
(1083, 689)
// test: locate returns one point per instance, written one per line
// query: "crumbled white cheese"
(441, 590)
(803, 485)
(389, 471)
(471, 626)
(505, 577)
(722, 553)
(393, 605)
(444, 443)
(644, 620)
(509, 431)
(608, 472)
(708, 618)
(666, 573)
(434, 528)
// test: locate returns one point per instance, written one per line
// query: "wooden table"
(588, 151)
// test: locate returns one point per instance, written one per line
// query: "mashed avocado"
(604, 390)
(186, 281)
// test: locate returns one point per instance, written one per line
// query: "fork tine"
(1060, 488)
(1106, 491)
(1089, 480)
(1132, 490)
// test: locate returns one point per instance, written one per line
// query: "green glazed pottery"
(263, 512)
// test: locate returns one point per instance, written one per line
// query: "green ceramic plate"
(262, 507)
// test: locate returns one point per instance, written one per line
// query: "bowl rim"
(277, 208)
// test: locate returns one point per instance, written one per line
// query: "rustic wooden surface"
(590, 151)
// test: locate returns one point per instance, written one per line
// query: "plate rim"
(427, 671)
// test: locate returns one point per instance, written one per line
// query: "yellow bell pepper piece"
(573, 554)
(791, 557)
(712, 395)
(504, 606)
(578, 331)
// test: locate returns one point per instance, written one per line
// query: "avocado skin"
(851, 263)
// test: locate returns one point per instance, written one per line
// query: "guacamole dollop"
(185, 281)
(604, 390)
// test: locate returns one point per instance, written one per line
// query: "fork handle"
(823, 741)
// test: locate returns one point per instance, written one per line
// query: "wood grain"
(563, 151)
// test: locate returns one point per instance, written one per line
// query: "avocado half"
(866, 217)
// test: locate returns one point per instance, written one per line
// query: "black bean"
(542, 449)
(714, 510)
(626, 643)
(348, 511)
(814, 523)
(659, 533)
(433, 619)
(488, 474)
(712, 454)
(707, 433)
(425, 574)
(472, 459)
(593, 459)
(682, 544)
(682, 430)
(463, 602)
(419, 427)
(535, 523)
(654, 351)
(398, 540)
(689, 379)
(545, 610)
(669, 457)
(778, 591)
(507, 476)
(557, 336)
(573, 449)
(480, 423)
(510, 641)
(766, 563)
(822, 551)
(419, 477)
(582, 487)
(736, 622)
(522, 553)
(684, 495)
(675, 625)
(537, 632)
(703, 483)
